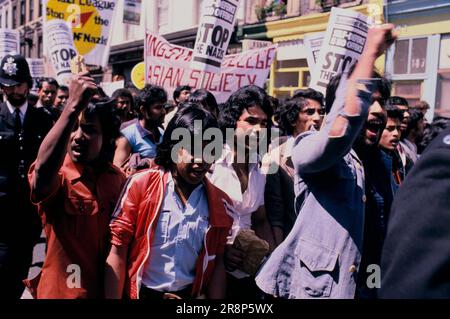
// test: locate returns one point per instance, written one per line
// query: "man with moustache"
(324, 256)
(304, 112)
(22, 129)
(47, 88)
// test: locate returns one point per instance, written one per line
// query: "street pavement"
(36, 265)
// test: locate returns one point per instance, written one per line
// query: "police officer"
(22, 129)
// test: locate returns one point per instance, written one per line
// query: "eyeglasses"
(311, 111)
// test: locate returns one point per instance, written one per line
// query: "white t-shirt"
(225, 178)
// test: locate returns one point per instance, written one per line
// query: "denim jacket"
(321, 255)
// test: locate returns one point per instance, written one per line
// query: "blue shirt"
(320, 257)
(141, 140)
(177, 241)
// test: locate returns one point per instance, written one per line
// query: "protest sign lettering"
(214, 34)
(9, 41)
(249, 44)
(313, 44)
(91, 23)
(37, 67)
(343, 44)
(168, 65)
(61, 49)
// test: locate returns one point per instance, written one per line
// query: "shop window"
(14, 17)
(289, 76)
(410, 90)
(443, 97)
(306, 79)
(31, 10)
(40, 47)
(163, 16)
(410, 56)
(300, 63)
(22, 12)
(286, 79)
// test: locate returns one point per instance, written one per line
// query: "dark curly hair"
(110, 124)
(184, 118)
(310, 94)
(150, 95)
(439, 124)
(244, 98)
(50, 81)
(206, 99)
(394, 112)
(415, 116)
(397, 100)
(288, 114)
(178, 90)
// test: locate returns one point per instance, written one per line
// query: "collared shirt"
(76, 218)
(169, 116)
(23, 110)
(225, 178)
(141, 140)
(410, 149)
(177, 241)
(322, 254)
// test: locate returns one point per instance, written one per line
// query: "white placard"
(37, 67)
(61, 49)
(9, 42)
(313, 44)
(168, 65)
(111, 87)
(214, 34)
(91, 23)
(343, 44)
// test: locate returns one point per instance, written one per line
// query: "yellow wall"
(297, 28)
(435, 24)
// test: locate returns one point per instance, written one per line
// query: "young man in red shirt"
(75, 187)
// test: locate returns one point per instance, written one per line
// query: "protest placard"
(138, 75)
(9, 41)
(61, 49)
(132, 12)
(110, 87)
(214, 34)
(37, 67)
(313, 44)
(343, 44)
(91, 23)
(250, 44)
(168, 65)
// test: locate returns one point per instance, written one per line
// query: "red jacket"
(134, 226)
